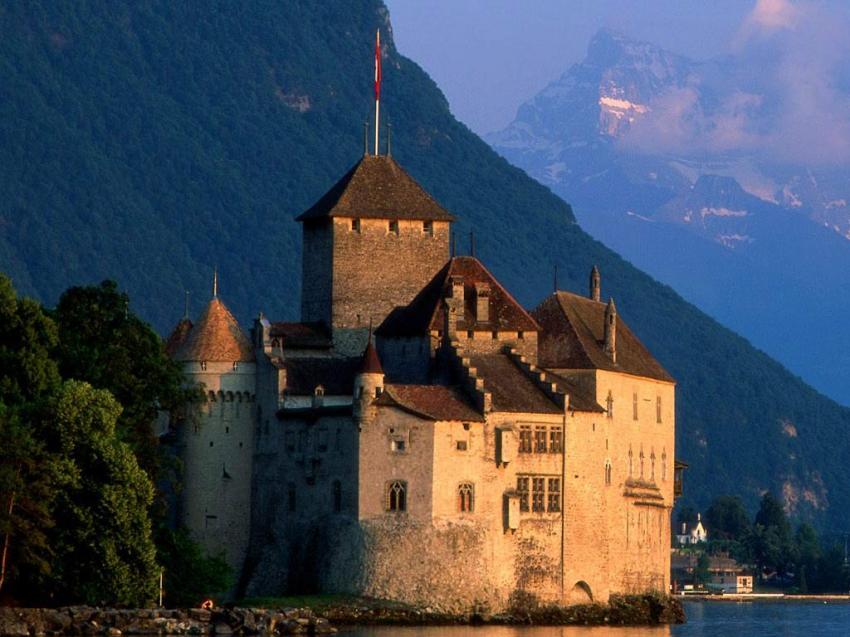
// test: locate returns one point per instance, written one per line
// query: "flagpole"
(377, 88)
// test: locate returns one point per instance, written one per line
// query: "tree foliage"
(727, 518)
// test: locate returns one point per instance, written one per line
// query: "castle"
(464, 453)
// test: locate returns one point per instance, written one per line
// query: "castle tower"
(217, 438)
(371, 243)
(369, 382)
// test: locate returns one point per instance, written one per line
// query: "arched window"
(397, 496)
(609, 402)
(466, 497)
(641, 463)
(652, 465)
(336, 493)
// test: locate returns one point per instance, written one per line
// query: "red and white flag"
(378, 65)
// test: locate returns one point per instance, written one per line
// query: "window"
(538, 493)
(522, 490)
(641, 463)
(553, 496)
(336, 494)
(556, 440)
(466, 497)
(428, 227)
(608, 472)
(235, 366)
(634, 406)
(461, 445)
(470, 334)
(652, 465)
(664, 465)
(524, 439)
(394, 226)
(658, 409)
(398, 445)
(203, 366)
(610, 404)
(397, 496)
(520, 335)
(540, 440)
(290, 497)
(355, 225)
(631, 462)
(494, 335)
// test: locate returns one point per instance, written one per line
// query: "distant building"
(466, 452)
(724, 574)
(692, 532)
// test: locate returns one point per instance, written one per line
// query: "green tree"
(190, 575)
(103, 546)
(28, 475)
(701, 570)
(727, 518)
(103, 343)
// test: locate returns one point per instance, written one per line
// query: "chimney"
(611, 331)
(454, 304)
(595, 284)
(482, 302)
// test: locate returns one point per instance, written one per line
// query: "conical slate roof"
(371, 363)
(178, 336)
(217, 337)
(377, 188)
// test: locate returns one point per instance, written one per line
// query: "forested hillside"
(148, 142)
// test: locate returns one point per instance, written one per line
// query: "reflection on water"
(705, 619)
(507, 631)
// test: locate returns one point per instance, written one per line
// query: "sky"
(489, 56)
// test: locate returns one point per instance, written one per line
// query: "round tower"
(217, 439)
(369, 382)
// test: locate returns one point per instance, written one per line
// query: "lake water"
(705, 619)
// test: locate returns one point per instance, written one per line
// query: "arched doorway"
(580, 594)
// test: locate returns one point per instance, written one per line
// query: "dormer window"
(428, 227)
(355, 225)
(203, 366)
(394, 226)
(235, 366)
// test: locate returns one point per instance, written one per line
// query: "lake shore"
(765, 597)
(321, 615)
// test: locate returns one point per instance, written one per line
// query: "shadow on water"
(705, 619)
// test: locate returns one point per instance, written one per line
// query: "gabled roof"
(178, 336)
(216, 337)
(511, 389)
(302, 335)
(426, 311)
(573, 333)
(433, 402)
(377, 188)
(580, 398)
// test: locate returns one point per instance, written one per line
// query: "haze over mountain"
(727, 179)
(149, 142)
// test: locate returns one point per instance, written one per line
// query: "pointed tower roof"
(377, 188)
(217, 337)
(178, 336)
(371, 363)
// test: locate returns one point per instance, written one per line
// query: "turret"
(369, 382)
(595, 284)
(610, 346)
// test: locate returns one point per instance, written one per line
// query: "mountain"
(151, 141)
(663, 156)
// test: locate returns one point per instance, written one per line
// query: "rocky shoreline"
(624, 610)
(85, 620)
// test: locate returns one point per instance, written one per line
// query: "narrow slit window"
(428, 227)
(393, 226)
(355, 225)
